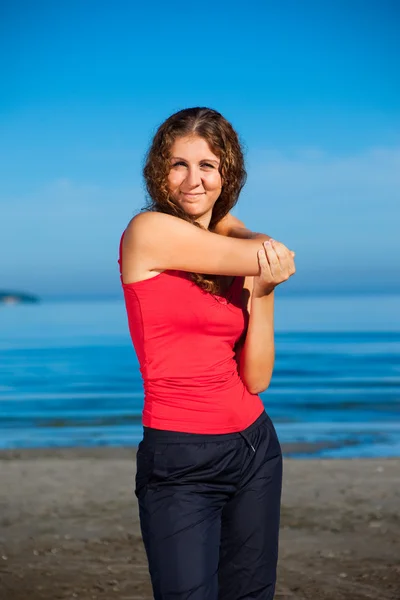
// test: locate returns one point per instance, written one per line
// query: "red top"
(184, 339)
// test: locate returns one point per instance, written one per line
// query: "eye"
(208, 165)
(179, 163)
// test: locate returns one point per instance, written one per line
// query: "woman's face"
(194, 180)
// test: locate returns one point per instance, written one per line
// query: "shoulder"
(146, 219)
(148, 224)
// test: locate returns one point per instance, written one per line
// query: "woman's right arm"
(166, 242)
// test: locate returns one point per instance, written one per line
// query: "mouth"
(190, 195)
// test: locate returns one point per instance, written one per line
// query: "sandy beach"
(69, 528)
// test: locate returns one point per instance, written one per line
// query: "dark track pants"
(209, 512)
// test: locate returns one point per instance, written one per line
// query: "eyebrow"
(210, 160)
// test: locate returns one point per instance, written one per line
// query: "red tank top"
(184, 339)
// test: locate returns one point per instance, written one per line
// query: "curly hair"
(224, 142)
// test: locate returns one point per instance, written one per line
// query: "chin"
(193, 211)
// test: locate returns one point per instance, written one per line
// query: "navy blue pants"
(209, 512)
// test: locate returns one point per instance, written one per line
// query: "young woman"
(198, 289)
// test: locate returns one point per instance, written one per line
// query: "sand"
(69, 528)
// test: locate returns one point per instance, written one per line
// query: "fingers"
(283, 255)
(273, 259)
(276, 265)
(290, 263)
(263, 262)
(282, 247)
(285, 258)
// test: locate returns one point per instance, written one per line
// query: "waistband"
(151, 434)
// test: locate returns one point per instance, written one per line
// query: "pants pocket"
(144, 467)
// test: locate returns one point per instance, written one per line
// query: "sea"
(69, 376)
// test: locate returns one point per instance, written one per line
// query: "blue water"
(69, 375)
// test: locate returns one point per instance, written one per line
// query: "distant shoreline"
(12, 297)
(279, 293)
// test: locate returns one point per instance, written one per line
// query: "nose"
(193, 178)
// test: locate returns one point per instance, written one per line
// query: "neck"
(204, 220)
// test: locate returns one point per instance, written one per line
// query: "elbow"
(256, 380)
(257, 390)
(257, 387)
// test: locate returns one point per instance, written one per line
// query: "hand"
(276, 265)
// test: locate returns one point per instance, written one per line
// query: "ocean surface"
(69, 376)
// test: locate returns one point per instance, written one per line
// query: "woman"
(198, 288)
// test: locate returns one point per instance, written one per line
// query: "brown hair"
(223, 141)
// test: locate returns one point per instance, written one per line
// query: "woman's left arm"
(255, 354)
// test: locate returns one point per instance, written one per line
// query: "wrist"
(262, 292)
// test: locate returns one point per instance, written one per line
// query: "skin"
(194, 180)
(255, 355)
(155, 242)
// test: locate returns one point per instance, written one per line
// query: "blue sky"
(312, 88)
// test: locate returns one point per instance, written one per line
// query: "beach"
(69, 527)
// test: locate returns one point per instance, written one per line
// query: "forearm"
(233, 227)
(257, 354)
(242, 232)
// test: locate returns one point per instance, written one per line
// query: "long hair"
(223, 141)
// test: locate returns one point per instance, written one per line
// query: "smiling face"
(194, 180)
